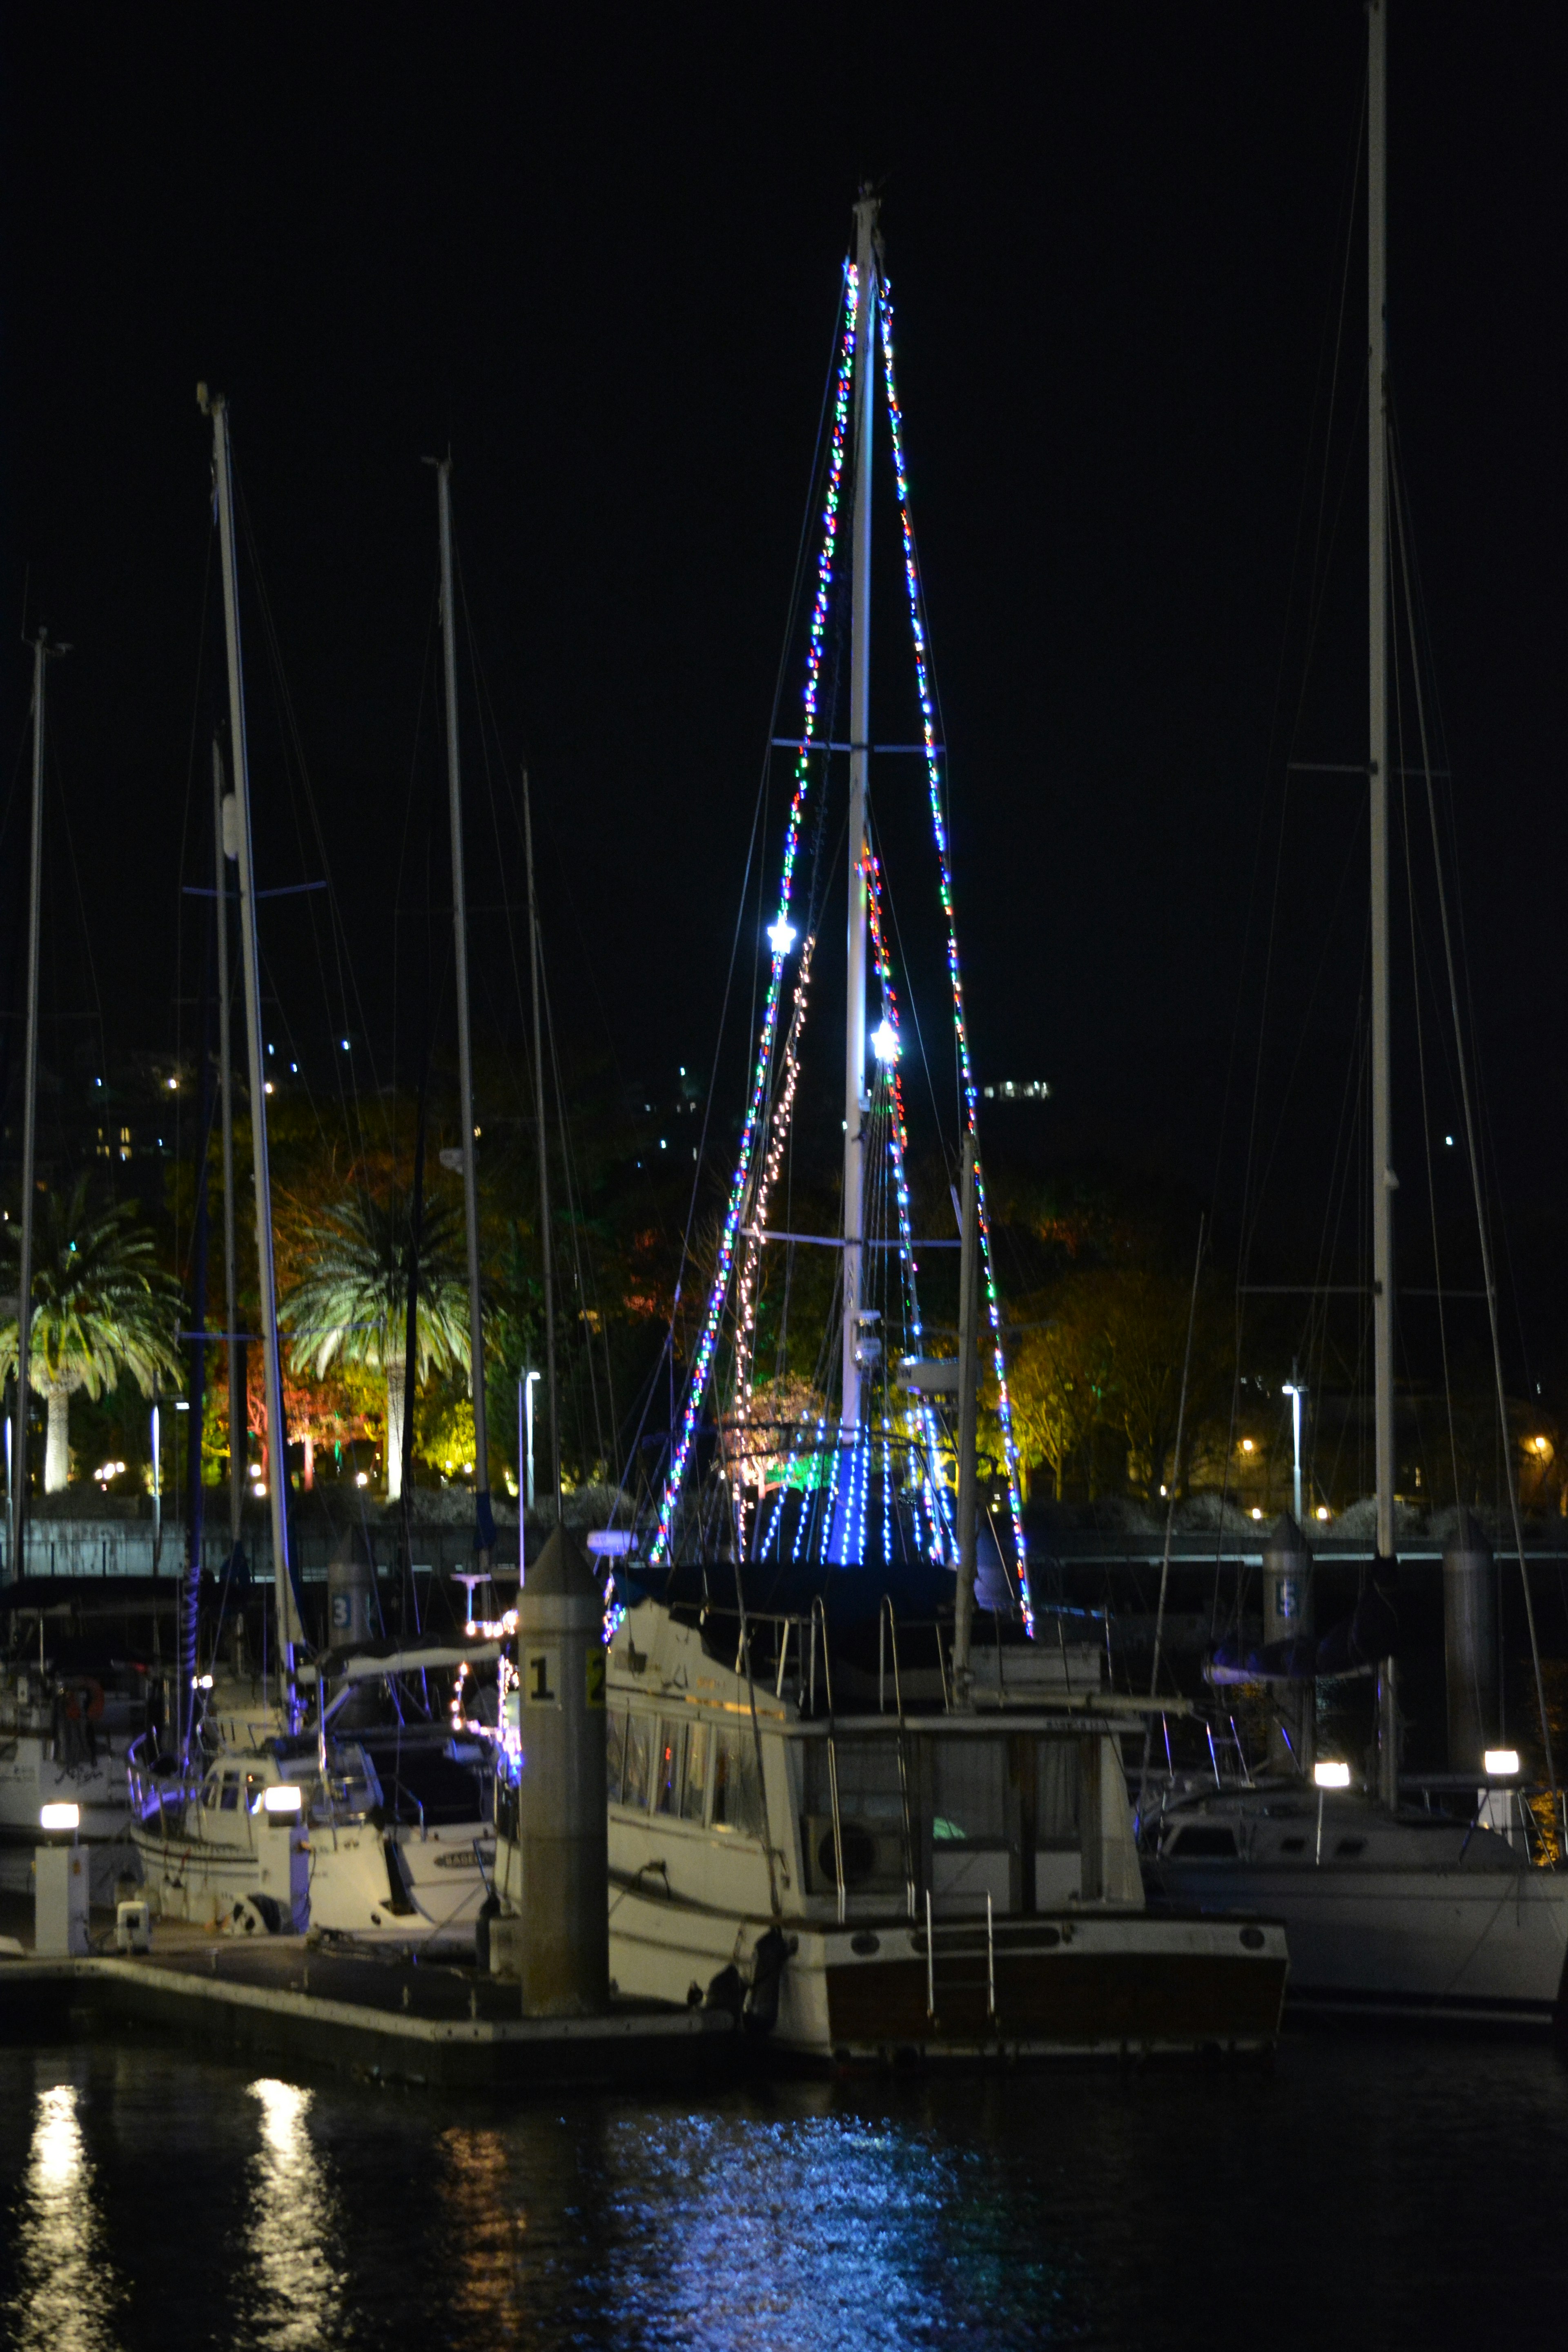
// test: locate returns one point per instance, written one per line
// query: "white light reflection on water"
(67, 2294)
(296, 2295)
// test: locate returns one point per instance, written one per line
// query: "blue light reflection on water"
(1365, 2192)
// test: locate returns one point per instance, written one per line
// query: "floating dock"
(383, 2017)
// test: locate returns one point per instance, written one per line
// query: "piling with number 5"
(560, 1872)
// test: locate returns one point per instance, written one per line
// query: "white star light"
(885, 1041)
(782, 935)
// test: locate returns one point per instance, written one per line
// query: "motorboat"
(901, 1878)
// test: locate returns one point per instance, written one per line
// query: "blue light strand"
(703, 1363)
(832, 1499)
(928, 730)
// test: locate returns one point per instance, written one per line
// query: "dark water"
(1365, 2192)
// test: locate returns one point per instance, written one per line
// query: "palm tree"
(101, 1307)
(352, 1301)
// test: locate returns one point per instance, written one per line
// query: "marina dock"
(378, 2017)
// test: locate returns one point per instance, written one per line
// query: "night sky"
(602, 268)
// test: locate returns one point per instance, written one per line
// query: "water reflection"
(297, 2293)
(65, 2293)
(484, 2228)
(813, 2230)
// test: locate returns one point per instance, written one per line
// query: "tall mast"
(1384, 1180)
(485, 1533)
(29, 1119)
(223, 811)
(859, 748)
(544, 1164)
(288, 1628)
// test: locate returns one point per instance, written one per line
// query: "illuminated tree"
(101, 1307)
(350, 1304)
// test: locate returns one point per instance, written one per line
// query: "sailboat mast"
(545, 1237)
(277, 1428)
(238, 1418)
(29, 1119)
(485, 1524)
(859, 752)
(1384, 1180)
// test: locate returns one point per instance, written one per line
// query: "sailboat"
(872, 1817)
(419, 1871)
(222, 1835)
(1389, 1910)
(64, 1727)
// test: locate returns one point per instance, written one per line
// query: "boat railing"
(885, 1618)
(819, 1617)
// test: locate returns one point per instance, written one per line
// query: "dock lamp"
(1501, 1763)
(1332, 1773)
(59, 1884)
(282, 1798)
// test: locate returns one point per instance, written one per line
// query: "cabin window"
(1349, 1847)
(737, 1786)
(230, 1797)
(209, 1795)
(1203, 1842)
(870, 1815)
(699, 1757)
(969, 1790)
(1057, 1820)
(614, 1749)
(635, 1772)
(671, 1756)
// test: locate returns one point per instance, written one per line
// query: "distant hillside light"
(345, 1043)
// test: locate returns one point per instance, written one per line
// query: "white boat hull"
(440, 1882)
(1484, 1945)
(1064, 1985)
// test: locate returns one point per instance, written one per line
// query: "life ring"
(83, 1698)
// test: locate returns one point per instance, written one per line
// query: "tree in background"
(101, 1307)
(350, 1304)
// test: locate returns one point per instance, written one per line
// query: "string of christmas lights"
(781, 936)
(746, 1287)
(933, 784)
(899, 1137)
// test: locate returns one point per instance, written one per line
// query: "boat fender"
(762, 2006)
(84, 1699)
(253, 1915)
(489, 1909)
(726, 1992)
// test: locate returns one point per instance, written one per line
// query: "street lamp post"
(525, 1388)
(1295, 1392)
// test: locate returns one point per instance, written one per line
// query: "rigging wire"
(1474, 1156)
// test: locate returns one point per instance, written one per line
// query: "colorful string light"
(898, 1132)
(697, 1384)
(933, 784)
(756, 1229)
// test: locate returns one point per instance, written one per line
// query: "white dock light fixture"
(1501, 1763)
(59, 1817)
(1331, 1774)
(283, 1797)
